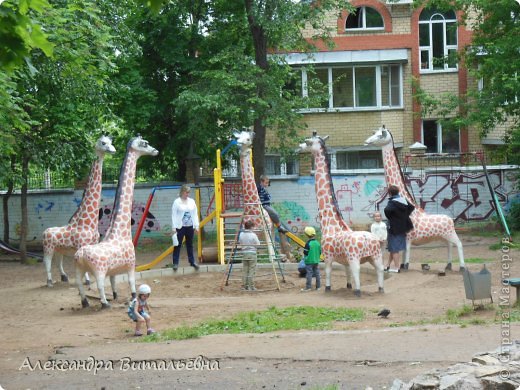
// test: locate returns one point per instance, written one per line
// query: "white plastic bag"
(175, 240)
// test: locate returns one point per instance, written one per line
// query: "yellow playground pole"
(218, 182)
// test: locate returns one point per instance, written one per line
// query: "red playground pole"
(143, 218)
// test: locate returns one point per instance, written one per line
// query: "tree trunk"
(260, 45)
(5, 201)
(23, 201)
(259, 149)
(5, 208)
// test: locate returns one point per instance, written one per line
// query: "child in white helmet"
(139, 311)
(312, 253)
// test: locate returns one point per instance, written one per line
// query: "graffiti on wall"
(463, 196)
(150, 224)
(293, 216)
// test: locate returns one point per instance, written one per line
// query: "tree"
(64, 97)
(19, 33)
(238, 84)
(492, 57)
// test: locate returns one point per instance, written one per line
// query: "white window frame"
(355, 99)
(429, 48)
(282, 167)
(362, 9)
(439, 135)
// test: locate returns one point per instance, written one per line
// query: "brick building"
(378, 51)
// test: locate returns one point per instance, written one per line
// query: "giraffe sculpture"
(82, 228)
(252, 206)
(339, 243)
(115, 253)
(427, 227)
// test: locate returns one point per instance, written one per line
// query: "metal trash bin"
(477, 284)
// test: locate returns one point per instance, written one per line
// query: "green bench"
(514, 282)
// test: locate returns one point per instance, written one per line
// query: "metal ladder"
(274, 257)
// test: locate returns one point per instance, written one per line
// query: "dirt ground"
(41, 323)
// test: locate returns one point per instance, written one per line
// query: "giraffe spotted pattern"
(339, 243)
(82, 228)
(427, 227)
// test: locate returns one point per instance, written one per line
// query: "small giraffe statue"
(339, 243)
(115, 253)
(82, 228)
(427, 227)
(252, 205)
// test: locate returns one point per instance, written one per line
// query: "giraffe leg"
(100, 280)
(454, 239)
(328, 269)
(349, 278)
(448, 266)
(64, 276)
(47, 259)
(131, 280)
(377, 263)
(84, 300)
(87, 280)
(355, 268)
(406, 255)
(113, 285)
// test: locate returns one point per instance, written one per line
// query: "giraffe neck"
(393, 173)
(88, 210)
(330, 219)
(121, 223)
(251, 198)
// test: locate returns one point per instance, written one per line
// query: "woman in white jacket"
(185, 221)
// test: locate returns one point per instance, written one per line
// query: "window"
(358, 87)
(437, 40)
(275, 167)
(370, 159)
(364, 18)
(439, 140)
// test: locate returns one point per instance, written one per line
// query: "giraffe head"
(141, 147)
(104, 145)
(314, 144)
(244, 140)
(380, 138)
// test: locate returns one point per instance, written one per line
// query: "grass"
(270, 320)
(478, 260)
(321, 318)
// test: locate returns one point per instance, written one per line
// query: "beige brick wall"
(400, 22)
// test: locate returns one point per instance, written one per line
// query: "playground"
(52, 324)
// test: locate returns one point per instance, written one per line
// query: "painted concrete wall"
(463, 196)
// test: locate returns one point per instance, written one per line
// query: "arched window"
(364, 18)
(438, 40)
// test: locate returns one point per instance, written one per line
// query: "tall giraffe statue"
(253, 209)
(115, 253)
(338, 242)
(82, 228)
(427, 227)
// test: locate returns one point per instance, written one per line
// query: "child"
(139, 311)
(379, 229)
(249, 241)
(312, 253)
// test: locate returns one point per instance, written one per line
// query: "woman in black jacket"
(398, 213)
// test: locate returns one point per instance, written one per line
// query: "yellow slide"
(156, 261)
(296, 239)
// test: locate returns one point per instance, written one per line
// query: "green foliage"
(513, 217)
(270, 320)
(20, 33)
(491, 57)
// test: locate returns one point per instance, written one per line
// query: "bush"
(513, 217)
